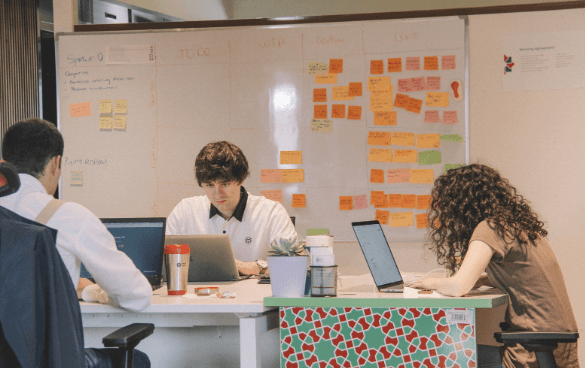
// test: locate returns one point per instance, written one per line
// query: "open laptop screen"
(377, 253)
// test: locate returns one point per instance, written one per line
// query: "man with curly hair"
(477, 216)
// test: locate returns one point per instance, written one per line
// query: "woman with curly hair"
(477, 217)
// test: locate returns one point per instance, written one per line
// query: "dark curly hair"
(221, 161)
(468, 195)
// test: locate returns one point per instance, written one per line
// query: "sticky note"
(378, 138)
(311, 232)
(448, 62)
(395, 200)
(409, 201)
(379, 84)
(376, 176)
(405, 85)
(384, 203)
(430, 157)
(360, 202)
(437, 99)
(403, 139)
(451, 137)
(394, 65)
(376, 66)
(451, 166)
(450, 117)
(320, 95)
(293, 175)
(354, 112)
(422, 176)
(377, 197)
(106, 122)
(380, 155)
(320, 112)
(341, 93)
(401, 219)
(433, 83)
(385, 118)
(382, 216)
(414, 105)
(345, 203)
(398, 176)
(120, 122)
(338, 111)
(418, 84)
(423, 202)
(318, 69)
(105, 106)
(76, 179)
(275, 194)
(291, 157)
(121, 106)
(405, 156)
(80, 109)
(271, 175)
(422, 221)
(428, 140)
(355, 89)
(412, 63)
(401, 100)
(322, 125)
(381, 100)
(326, 79)
(431, 63)
(335, 66)
(432, 116)
(299, 200)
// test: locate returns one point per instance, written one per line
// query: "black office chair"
(41, 325)
(542, 344)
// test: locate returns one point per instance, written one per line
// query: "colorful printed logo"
(509, 64)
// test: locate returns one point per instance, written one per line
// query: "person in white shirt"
(35, 147)
(252, 222)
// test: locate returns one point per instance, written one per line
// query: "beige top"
(538, 298)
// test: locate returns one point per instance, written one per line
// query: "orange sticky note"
(398, 176)
(423, 201)
(385, 118)
(345, 203)
(422, 221)
(335, 66)
(395, 200)
(80, 109)
(401, 100)
(326, 79)
(431, 63)
(320, 95)
(381, 155)
(376, 66)
(422, 176)
(382, 216)
(354, 112)
(291, 157)
(401, 219)
(377, 197)
(293, 175)
(394, 65)
(437, 99)
(379, 138)
(403, 139)
(384, 202)
(320, 112)
(338, 111)
(299, 200)
(275, 195)
(376, 176)
(414, 105)
(405, 156)
(428, 140)
(381, 100)
(271, 176)
(379, 84)
(408, 201)
(355, 89)
(340, 93)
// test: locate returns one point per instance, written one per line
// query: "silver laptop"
(212, 257)
(378, 255)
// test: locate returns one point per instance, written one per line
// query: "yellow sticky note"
(379, 138)
(317, 69)
(76, 178)
(401, 219)
(121, 106)
(322, 125)
(80, 109)
(291, 157)
(271, 176)
(275, 194)
(437, 99)
(379, 84)
(382, 216)
(385, 118)
(293, 176)
(381, 155)
(403, 139)
(341, 93)
(381, 100)
(326, 79)
(345, 203)
(405, 156)
(120, 122)
(428, 141)
(105, 122)
(422, 176)
(105, 106)
(299, 200)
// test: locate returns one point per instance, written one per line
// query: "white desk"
(246, 311)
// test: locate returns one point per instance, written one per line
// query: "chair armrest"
(529, 337)
(129, 336)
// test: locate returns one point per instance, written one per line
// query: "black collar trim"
(240, 208)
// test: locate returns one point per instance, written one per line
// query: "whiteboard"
(135, 108)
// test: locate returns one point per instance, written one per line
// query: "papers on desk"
(411, 293)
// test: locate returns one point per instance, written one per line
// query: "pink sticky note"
(275, 194)
(271, 175)
(80, 109)
(432, 116)
(433, 83)
(448, 62)
(450, 117)
(399, 176)
(405, 85)
(360, 202)
(418, 84)
(413, 63)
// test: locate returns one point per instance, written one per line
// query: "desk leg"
(251, 326)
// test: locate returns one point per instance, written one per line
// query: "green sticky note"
(317, 232)
(451, 137)
(451, 166)
(429, 157)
